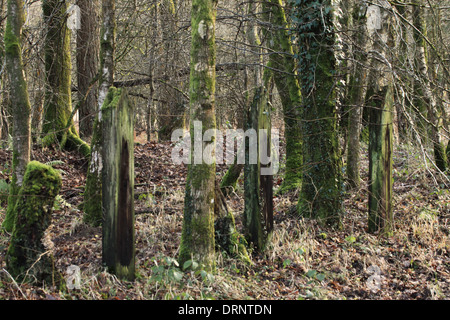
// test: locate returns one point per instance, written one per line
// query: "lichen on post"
(118, 184)
(27, 258)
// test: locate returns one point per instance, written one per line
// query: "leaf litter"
(303, 261)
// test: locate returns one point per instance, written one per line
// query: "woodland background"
(303, 257)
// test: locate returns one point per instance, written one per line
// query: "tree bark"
(58, 125)
(93, 190)
(356, 95)
(289, 90)
(20, 105)
(107, 49)
(425, 100)
(88, 45)
(197, 240)
(321, 193)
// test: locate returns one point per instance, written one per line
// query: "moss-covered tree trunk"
(88, 45)
(93, 193)
(58, 127)
(424, 100)
(27, 257)
(227, 238)
(286, 80)
(321, 193)
(356, 94)
(118, 184)
(380, 98)
(20, 105)
(107, 49)
(197, 240)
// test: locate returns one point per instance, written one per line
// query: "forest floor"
(304, 260)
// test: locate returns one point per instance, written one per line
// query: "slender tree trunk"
(288, 88)
(197, 240)
(425, 100)
(20, 105)
(107, 48)
(151, 104)
(321, 193)
(88, 45)
(356, 95)
(58, 125)
(93, 191)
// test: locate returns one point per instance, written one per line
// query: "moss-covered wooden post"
(197, 239)
(258, 187)
(118, 184)
(381, 100)
(58, 127)
(27, 258)
(321, 193)
(20, 105)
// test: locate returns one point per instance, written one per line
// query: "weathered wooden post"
(381, 100)
(118, 184)
(258, 187)
(27, 258)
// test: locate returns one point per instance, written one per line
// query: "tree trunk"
(118, 184)
(20, 105)
(197, 240)
(88, 43)
(356, 95)
(227, 238)
(321, 193)
(93, 194)
(58, 125)
(288, 89)
(107, 49)
(425, 100)
(27, 257)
